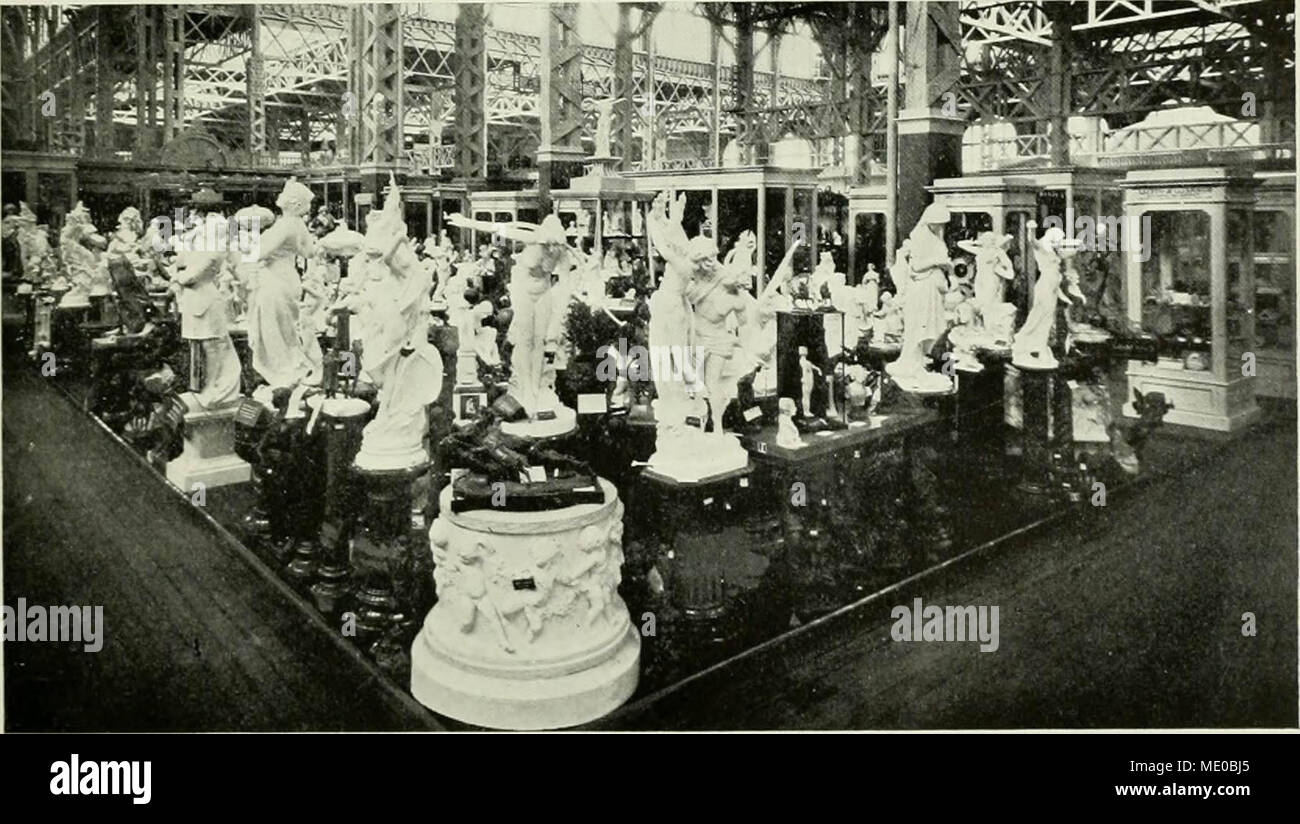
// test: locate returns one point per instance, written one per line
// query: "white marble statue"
(39, 264)
(689, 338)
(538, 320)
(205, 319)
(822, 276)
(995, 318)
(398, 356)
(887, 322)
(605, 125)
(808, 372)
(869, 288)
(924, 268)
(1031, 348)
(274, 330)
(787, 434)
(80, 262)
(721, 311)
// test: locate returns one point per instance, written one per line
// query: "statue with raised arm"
(995, 318)
(76, 240)
(397, 353)
(1054, 255)
(538, 321)
(687, 333)
(722, 308)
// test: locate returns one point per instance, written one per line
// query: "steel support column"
(381, 96)
(470, 71)
(929, 128)
(255, 78)
(146, 65)
(561, 99)
(753, 142)
(106, 75)
(173, 73)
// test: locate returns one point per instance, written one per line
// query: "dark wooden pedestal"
(704, 558)
(858, 507)
(342, 439)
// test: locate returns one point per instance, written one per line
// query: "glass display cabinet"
(1274, 227)
(867, 243)
(777, 204)
(1191, 283)
(996, 203)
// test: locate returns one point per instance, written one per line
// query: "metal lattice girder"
(1213, 65)
(1128, 56)
(471, 91)
(562, 81)
(380, 88)
(932, 52)
(173, 72)
(993, 21)
(14, 69)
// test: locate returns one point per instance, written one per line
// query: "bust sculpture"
(787, 434)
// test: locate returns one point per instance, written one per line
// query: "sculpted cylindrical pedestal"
(529, 631)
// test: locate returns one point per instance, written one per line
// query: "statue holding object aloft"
(688, 315)
(1054, 255)
(537, 323)
(405, 366)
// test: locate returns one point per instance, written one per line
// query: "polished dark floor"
(196, 637)
(1128, 616)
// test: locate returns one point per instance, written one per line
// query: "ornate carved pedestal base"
(529, 631)
(209, 457)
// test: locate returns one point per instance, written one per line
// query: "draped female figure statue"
(273, 319)
(921, 275)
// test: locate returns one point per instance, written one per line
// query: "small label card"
(752, 413)
(546, 414)
(536, 474)
(695, 421)
(592, 403)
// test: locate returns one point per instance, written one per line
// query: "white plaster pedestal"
(1200, 398)
(209, 456)
(529, 631)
